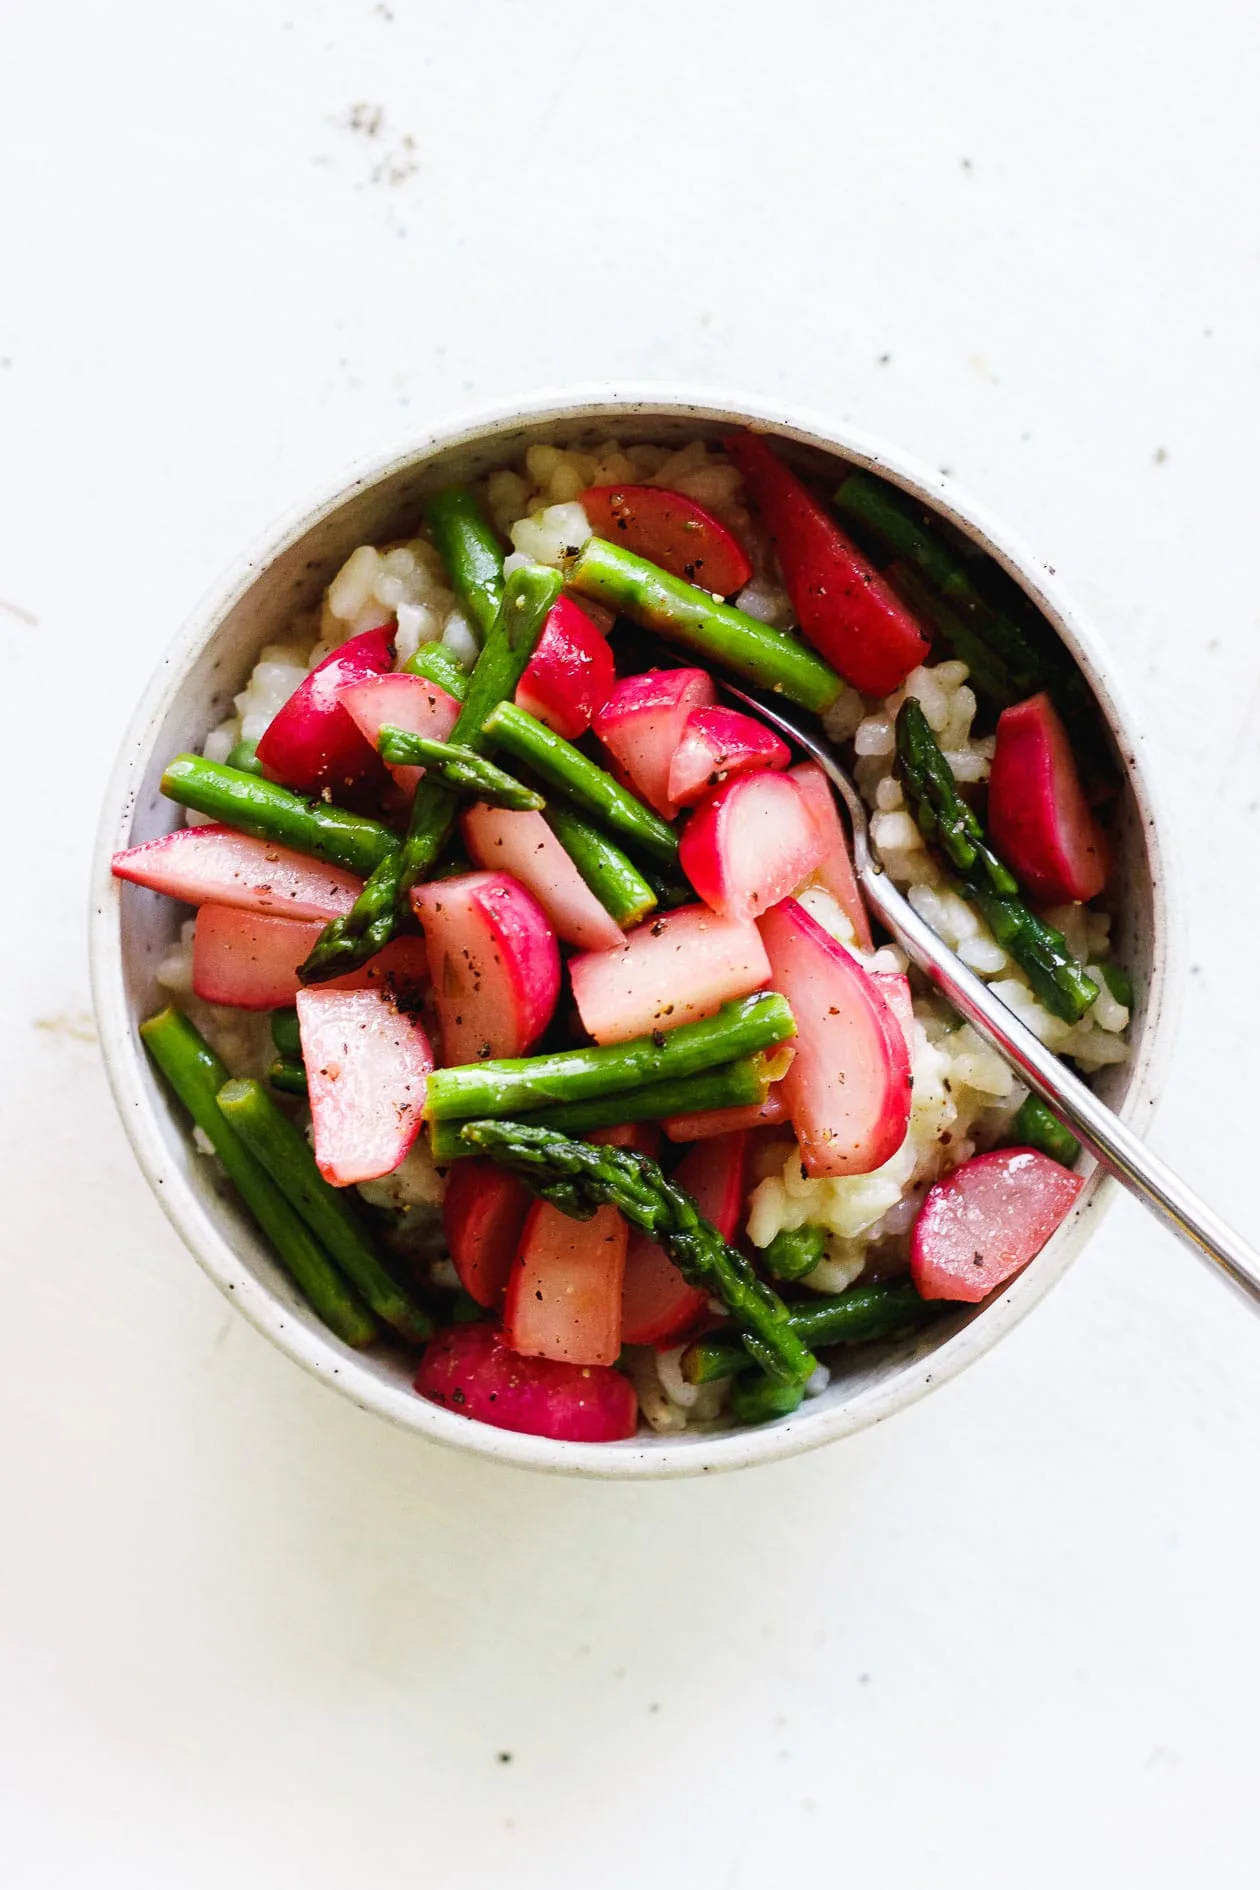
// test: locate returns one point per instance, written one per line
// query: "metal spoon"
(1098, 1127)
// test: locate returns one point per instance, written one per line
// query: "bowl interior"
(134, 928)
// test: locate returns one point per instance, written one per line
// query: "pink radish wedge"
(218, 866)
(571, 674)
(483, 1213)
(751, 844)
(408, 702)
(312, 741)
(367, 1067)
(469, 1370)
(671, 970)
(708, 1122)
(673, 531)
(657, 1305)
(564, 1286)
(523, 844)
(1039, 818)
(494, 963)
(642, 723)
(835, 869)
(249, 958)
(987, 1220)
(894, 988)
(716, 744)
(848, 1089)
(400, 970)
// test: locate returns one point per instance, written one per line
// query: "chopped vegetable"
(853, 1317)
(699, 1125)
(366, 1068)
(471, 1371)
(433, 662)
(672, 970)
(267, 811)
(613, 878)
(1038, 814)
(1034, 1126)
(794, 1252)
(525, 846)
(571, 673)
(657, 1304)
(249, 959)
(215, 866)
(835, 869)
(564, 1288)
(751, 844)
(401, 701)
(313, 742)
(470, 551)
(986, 1220)
(642, 723)
(462, 769)
(494, 962)
(673, 531)
(717, 743)
(483, 1213)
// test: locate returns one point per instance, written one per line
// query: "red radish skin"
(848, 1088)
(470, 1370)
(523, 844)
(642, 723)
(673, 531)
(249, 958)
(708, 1122)
(894, 988)
(670, 970)
(751, 844)
(1039, 819)
(988, 1219)
(367, 1067)
(564, 1286)
(217, 866)
(494, 963)
(657, 1305)
(716, 744)
(408, 702)
(400, 970)
(312, 741)
(571, 674)
(842, 604)
(835, 870)
(483, 1213)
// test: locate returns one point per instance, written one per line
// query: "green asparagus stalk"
(986, 668)
(365, 930)
(288, 1075)
(433, 662)
(469, 550)
(269, 812)
(947, 822)
(284, 1152)
(517, 1085)
(567, 770)
(795, 1251)
(863, 1312)
(1118, 982)
(197, 1075)
(756, 1398)
(726, 1086)
(245, 757)
(581, 1176)
(461, 768)
(682, 614)
(286, 1035)
(615, 881)
(1034, 1126)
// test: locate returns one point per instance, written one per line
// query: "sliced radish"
(894, 988)
(523, 844)
(707, 1122)
(716, 744)
(483, 1213)
(564, 1287)
(218, 866)
(848, 1089)
(312, 742)
(668, 971)
(571, 673)
(642, 723)
(249, 958)
(471, 1371)
(494, 962)
(673, 531)
(400, 969)
(835, 869)
(1039, 818)
(644, 1137)
(842, 604)
(367, 1066)
(987, 1220)
(750, 844)
(408, 702)
(657, 1305)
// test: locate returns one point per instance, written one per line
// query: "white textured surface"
(246, 1630)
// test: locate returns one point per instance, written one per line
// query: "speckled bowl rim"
(818, 1422)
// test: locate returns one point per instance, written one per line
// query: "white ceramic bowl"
(131, 928)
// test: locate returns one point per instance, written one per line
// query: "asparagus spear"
(615, 881)
(795, 1251)
(434, 662)
(986, 668)
(849, 1318)
(469, 550)
(1118, 982)
(685, 615)
(245, 757)
(566, 768)
(1033, 1126)
(286, 1034)
(269, 812)
(281, 1148)
(288, 1075)
(726, 1086)
(368, 927)
(946, 821)
(196, 1075)
(460, 767)
(520, 1084)
(580, 1176)
(756, 1398)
